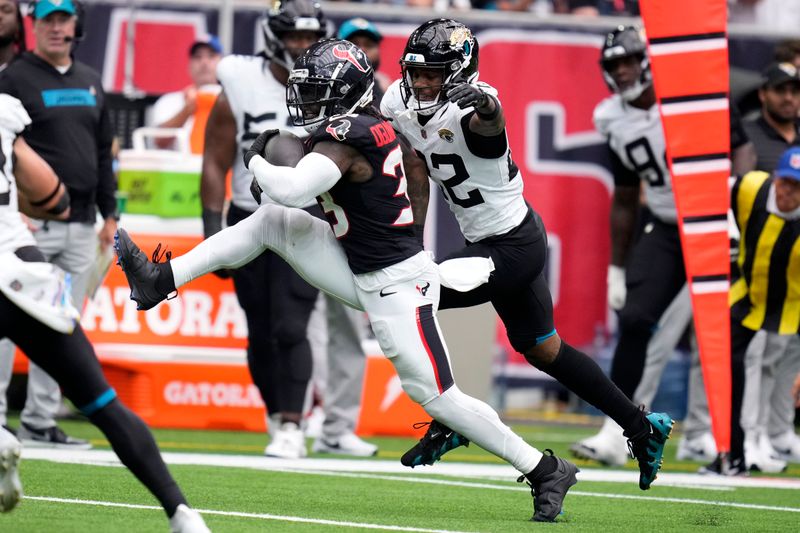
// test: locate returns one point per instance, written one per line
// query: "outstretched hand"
(465, 95)
(258, 146)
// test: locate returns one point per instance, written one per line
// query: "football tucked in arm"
(284, 149)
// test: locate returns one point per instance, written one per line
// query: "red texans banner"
(688, 48)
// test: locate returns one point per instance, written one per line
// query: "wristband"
(61, 206)
(493, 113)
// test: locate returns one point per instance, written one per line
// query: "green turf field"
(376, 495)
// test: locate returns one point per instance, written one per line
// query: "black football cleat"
(648, 447)
(723, 465)
(437, 441)
(149, 280)
(549, 491)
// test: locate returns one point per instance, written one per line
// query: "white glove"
(616, 287)
(13, 116)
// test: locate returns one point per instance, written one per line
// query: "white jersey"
(14, 232)
(484, 193)
(258, 103)
(637, 138)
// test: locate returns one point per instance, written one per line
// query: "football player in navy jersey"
(368, 254)
(456, 123)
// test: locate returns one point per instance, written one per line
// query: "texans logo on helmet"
(339, 130)
(342, 52)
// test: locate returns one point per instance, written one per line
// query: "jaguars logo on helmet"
(443, 44)
(333, 77)
(626, 41)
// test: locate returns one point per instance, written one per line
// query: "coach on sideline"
(71, 130)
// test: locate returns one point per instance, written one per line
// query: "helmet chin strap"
(634, 91)
(364, 101)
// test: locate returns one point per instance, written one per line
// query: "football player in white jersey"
(645, 278)
(36, 313)
(276, 301)
(456, 124)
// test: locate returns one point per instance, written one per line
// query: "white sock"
(478, 422)
(232, 247)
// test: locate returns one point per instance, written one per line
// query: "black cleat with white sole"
(151, 282)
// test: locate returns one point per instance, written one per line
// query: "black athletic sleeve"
(106, 181)
(481, 145)
(623, 176)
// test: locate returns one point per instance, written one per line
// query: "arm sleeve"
(106, 181)
(622, 175)
(296, 187)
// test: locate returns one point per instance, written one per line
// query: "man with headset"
(71, 130)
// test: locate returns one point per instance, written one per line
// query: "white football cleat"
(187, 520)
(10, 485)
(760, 457)
(347, 444)
(273, 424)
(787, 447)
(314, 422)
(701, 449)
(288, 442)
(608, 447)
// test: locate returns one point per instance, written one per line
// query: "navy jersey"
(373, 219)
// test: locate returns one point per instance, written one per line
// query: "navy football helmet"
(442, 44)
(333, 77)
(626, 41)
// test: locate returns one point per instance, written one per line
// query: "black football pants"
(277, 303)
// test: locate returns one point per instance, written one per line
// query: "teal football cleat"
(648, 447)
(437, 441)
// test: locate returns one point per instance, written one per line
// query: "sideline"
(450, 469)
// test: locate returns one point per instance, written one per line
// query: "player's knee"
(544, 352)
(290, 331)
(633, 321)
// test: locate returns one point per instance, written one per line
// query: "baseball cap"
(359, 25)
(778, 74)
(207, 40)
(789, 164)
(45, 7)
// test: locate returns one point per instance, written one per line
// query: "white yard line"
(260, 516)
(387, 470)
(686, 500)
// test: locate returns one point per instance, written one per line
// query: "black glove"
(466, 95)
(257, 148)
(212, 223)
(255, 190)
